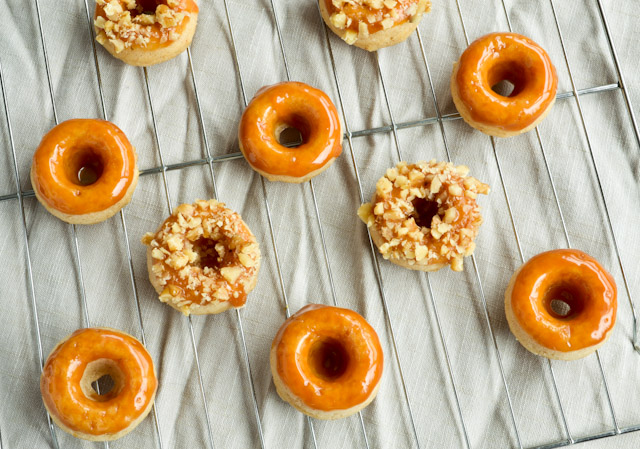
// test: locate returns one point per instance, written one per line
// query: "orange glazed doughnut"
(83, 358)
(145, 32)
(84, 171)
(373, 24)
(500, 57)
(561, 304)
(290, 105)
(203, 259)
(326, 362)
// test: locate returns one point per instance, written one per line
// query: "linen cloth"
(458, 297)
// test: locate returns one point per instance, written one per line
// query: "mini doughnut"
(290, 105)
(145, 32)
(203, 259)
(326, 362)
(373, 24)
(424, 216)
(500, 57)
(84, 171)
(83, 358)
(578, 282)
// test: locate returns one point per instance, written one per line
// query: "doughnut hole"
(146, 7)
(328, 359)
(104, 375)
(294, 132)
(424, 211)
(508, 78)
(565, 301)
(213, 254)
(84, 166)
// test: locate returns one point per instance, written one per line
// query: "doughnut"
(424, 216)
(145, 32)
(203, 259)
(373, 24)
(500, 57)
(561, 304)
(84, 171)
(277, 108)
(81, 359)
(326, 362)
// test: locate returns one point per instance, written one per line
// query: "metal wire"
(170, 208)
(393, 128)
(315, 206)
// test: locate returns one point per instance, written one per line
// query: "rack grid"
(210, 161)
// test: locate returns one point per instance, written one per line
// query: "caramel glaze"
(296, 105)
(112, 412)
(62, 151)
(296, 345)
(515, 58)
(400, 13)
(156, 32)
(581, 282)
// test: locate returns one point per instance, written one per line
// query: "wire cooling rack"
(395, 362)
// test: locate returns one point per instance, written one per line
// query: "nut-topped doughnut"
(203, 259)
(84, 171)
(83, 358)
(500, 57)
(290, 105)
(145, 32)
(373, 24)
(561, 304)
(424, 216)
(326, 361)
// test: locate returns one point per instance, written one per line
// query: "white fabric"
(457, 295)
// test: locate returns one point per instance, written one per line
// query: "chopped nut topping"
(124, 25)
(424, 215)
(203, 253)
(360, 18)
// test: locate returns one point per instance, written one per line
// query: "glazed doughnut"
(587, 297)
(83, 358)
(84, 171)
(203, 259)
(500, 57)
(373, 24)
(424, 216)
(326, 362)
(145, 32)
(290, 105)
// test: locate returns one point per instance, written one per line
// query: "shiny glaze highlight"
(314, 324)
(60, 149)
(112, 412)
(290, 104)
(593, 300)
(506, 56)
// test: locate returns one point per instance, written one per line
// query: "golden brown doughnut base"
(93, 217)
(383, 38)
(530, 343)
(487, 129)
(106, 436)
(142, 57)
(286, 395)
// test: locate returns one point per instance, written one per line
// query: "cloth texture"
(103, 272)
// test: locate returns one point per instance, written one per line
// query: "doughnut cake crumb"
(203, 254)
(125, 24)
(424, 216)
